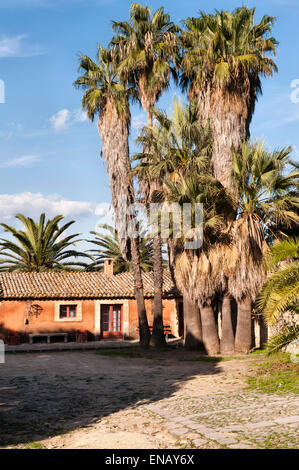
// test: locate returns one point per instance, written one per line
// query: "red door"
(111, 321)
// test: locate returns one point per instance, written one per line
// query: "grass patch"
(276, 374)
(201, 359)
(212, 358)
(33, 445)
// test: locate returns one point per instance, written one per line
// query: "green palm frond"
(107, 246)
(281, 289)
(227, 45)
(282, 339)
(40, 246)
(146, 47)
(176, 145)
(101, 84)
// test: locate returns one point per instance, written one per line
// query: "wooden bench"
(166, 329)
(48, 336)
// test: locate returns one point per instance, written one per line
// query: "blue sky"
(49, 153)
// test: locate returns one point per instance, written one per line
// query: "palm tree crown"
(101, 85)
(108, 247)
(228, 46)
(40, 246)
(176, 145)
(145, 46)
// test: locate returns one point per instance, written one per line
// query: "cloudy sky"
(49, 152)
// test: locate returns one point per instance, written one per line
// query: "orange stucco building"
(98, 305)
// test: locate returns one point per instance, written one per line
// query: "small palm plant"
(280, 292)
(40, 247)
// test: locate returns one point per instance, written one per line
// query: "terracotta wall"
(13, 314)
(169, 315)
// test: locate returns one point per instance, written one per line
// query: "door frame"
(125, 315)
(110, 333)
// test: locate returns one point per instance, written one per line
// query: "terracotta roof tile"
(77, 285)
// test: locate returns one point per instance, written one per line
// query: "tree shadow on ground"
(51, 393)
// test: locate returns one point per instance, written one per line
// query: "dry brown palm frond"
(186, 274)
(248, 273)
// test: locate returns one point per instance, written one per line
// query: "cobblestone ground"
(81, 399)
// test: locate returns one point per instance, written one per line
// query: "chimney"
(108, 266)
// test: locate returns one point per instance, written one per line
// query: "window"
(68, 311)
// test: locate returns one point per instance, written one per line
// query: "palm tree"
(280, 293)
(108, 247)
(196, 273)
(225, 56)
(145, 46)
(230, 263)
(106, 96)
(175, 146)
(222, 257)
(40, 247)
(266, 198)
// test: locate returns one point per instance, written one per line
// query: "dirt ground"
(80, 399)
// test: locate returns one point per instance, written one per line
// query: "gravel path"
(81, 399)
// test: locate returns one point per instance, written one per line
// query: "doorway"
(111, 321)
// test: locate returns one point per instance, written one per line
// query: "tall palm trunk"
(158, 337)
(243, 338)
(172, 252)
(114, 132)
(209, 330)
(192, 324)
(227, 334)
(144, 333)
(229, 113)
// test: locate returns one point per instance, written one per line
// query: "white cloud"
(65, 118)
(33, 204)
(16, 46)
(138, 121)
(80, 115)
(105, 214)
(60, 120)
(25, 160)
